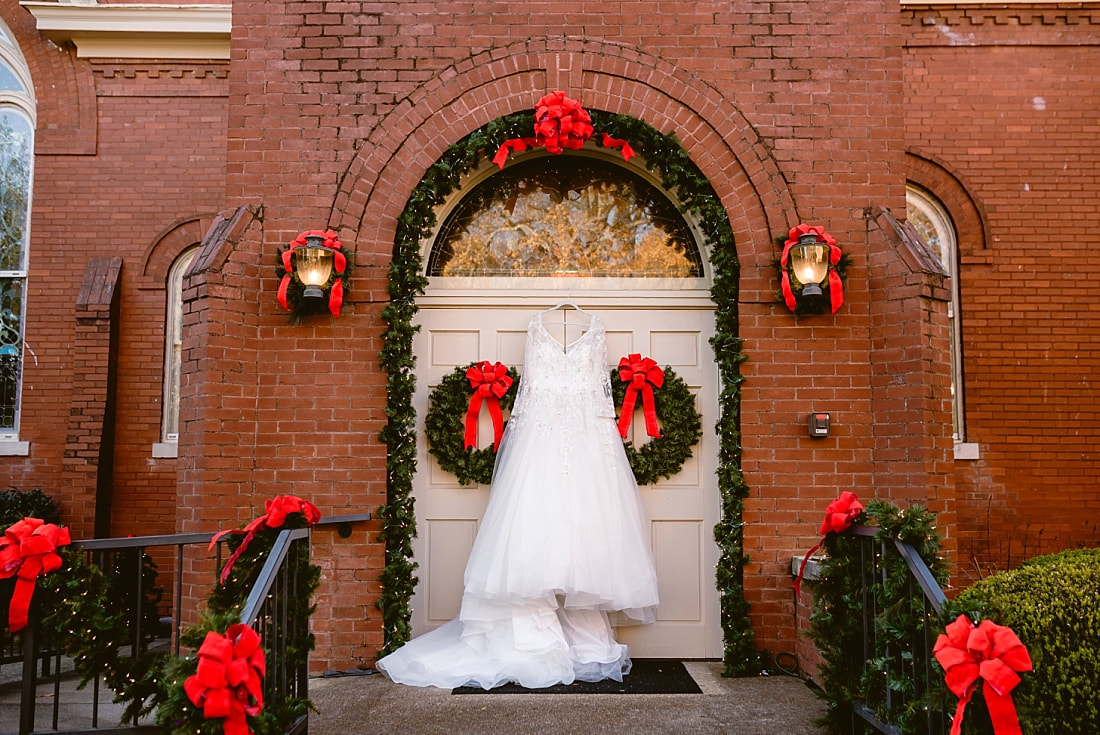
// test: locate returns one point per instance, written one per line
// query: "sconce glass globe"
(810, 264)
(313, 264)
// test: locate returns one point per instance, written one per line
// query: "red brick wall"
(793, 111)
(130, 156)
(1001, 119)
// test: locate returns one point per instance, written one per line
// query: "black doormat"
(647, 676)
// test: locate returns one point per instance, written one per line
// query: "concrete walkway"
(373, 705)
(778, 705)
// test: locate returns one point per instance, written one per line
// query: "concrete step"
(777, 705)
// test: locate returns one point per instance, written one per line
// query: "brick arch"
(167, 245)
(615, 78)
(64, 88)
(969, 216)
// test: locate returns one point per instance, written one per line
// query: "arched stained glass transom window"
(566, 215)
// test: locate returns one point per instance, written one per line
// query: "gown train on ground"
(562, 553)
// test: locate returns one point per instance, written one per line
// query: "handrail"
(928, 584)
(933, 597)
(266, 578)
(174, 539)
(267, 583)
(920, 571)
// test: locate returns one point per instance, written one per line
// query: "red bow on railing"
(836, 286)
(989, 652)
(490, 383)
(640, 374)
(839, 517)
(339, 264)
(28, 549)
(276, 511)
(229, 680)
(560, 123)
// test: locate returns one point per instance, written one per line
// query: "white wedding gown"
(563, 548)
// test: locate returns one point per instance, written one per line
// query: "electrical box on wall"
(819, 424)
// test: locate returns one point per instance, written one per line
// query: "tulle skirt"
(561, 554)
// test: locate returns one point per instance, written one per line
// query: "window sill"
(13, 448)
(967, 450)
(165, 450)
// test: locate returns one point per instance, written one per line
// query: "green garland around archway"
(663, 155)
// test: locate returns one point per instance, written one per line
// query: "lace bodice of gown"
(559, 380)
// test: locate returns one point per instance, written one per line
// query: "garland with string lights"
(663, 155)
(85, 615)
(848, 675)
(91, 616)
(175, 712)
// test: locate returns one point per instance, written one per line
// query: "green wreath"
(444, 425)
(681, 427)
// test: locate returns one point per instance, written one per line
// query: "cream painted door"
(681, 511)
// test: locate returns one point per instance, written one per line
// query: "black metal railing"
(269, 612)
(908, 666)
(34, 662)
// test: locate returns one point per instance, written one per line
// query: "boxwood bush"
(1053, 605)
(15, 505)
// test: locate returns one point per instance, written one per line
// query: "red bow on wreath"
(490, 383)
(641, 374)
(276, 511)
(836, 287)
(989, 652)
(229, 680)
(339, 264)
(839, 517)
(560, 123)
(28, 549)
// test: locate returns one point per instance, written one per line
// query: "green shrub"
(15, 505)
(1053, 605)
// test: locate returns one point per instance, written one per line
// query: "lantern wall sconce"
(312, 265)
(811, 271)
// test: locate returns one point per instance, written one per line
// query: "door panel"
(682, 510)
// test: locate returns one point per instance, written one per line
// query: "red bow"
(560, 123)
(27, 549)
(836, 287)
(490, 384)
(839, 517)
(229, 680)
(988, 651)
(276, 511)
(339, 264)
(640, 374)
